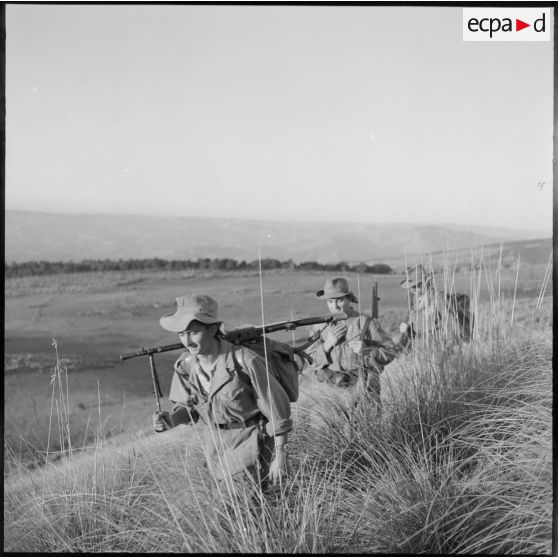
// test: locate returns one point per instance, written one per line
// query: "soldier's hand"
(161, 421)
(334, 336)
(356, 346)
(404, 327)
(279, 467)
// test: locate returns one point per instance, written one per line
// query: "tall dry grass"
(457, 462)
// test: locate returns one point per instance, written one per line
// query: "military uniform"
(435, 314)
(245, 409)
(242, 404)
(342, 366)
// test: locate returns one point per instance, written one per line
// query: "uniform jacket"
(237, 392)
(342, 358)
(437, 314)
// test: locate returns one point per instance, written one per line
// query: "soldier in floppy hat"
(357, 347)
(227, 387)
(433, 313)
(416, 282)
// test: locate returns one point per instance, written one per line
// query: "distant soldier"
(350, 351)
(433, 313)
(246, 410)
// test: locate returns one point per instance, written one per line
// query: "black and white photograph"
(278, 278)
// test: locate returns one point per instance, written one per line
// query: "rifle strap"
(238, 361)
(307, 344)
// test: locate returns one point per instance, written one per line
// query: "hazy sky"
(366, 114)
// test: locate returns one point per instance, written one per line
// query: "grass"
(459, 462)
(464, 470)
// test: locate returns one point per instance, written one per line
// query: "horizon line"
(309, 221)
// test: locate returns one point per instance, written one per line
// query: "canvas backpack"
(460, 305)
(282, 362)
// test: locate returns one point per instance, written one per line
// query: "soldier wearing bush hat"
(201, 308)
(245, 409)
(433, 313)
(336, 289)
(416, 278)
(416, 281)
(351, 350)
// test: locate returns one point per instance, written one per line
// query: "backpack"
(459, 304)
(281, 359)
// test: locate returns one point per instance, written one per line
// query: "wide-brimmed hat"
(189, 308)
(416, 276)
(336, 288)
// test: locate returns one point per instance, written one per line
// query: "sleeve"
(272, 400)
(320, 359)
(403, 341)
(182, 397)
(381, 347)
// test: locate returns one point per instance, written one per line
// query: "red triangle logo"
(519, 25)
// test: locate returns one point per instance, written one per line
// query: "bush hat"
(189, 308)
(336, 288)
(415, 277)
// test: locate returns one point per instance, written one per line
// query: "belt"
(235, 425)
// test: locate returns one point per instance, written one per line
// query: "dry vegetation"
(458, 463)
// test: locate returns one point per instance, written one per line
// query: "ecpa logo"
(506, 24)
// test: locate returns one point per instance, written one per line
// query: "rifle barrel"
(375, 300)
(153, 350)
(292, 324)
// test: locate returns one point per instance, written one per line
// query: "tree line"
(30, 268)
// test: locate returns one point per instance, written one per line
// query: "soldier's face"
(338, 304)
(198, 338)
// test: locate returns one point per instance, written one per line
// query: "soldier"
(434, 314)
(246, 410)
(352, 350)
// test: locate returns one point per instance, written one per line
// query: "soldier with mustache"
(226, 387)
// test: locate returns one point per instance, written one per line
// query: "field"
(102, 403)
(95, 317)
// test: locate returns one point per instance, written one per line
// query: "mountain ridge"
(56, 236)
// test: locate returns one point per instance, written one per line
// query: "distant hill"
(529, 252)
(52, 237)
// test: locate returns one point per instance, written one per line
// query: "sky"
(305, 113)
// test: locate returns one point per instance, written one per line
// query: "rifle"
(236, 337)
(375, 300)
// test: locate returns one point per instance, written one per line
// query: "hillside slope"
(51, 237)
